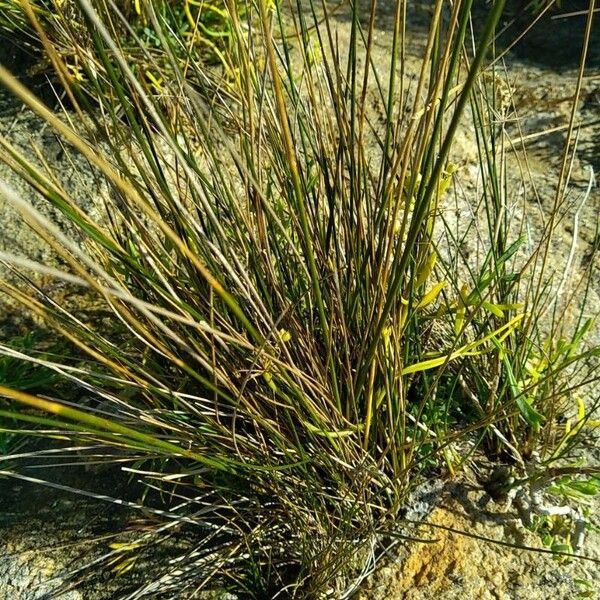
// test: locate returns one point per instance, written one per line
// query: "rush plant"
(281, 319)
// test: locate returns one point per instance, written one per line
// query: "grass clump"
(193, 28)
(286, 338)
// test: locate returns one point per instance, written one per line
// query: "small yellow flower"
(284, 335)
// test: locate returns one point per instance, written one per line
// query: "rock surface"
(456, 565)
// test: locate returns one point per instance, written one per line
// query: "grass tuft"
(288, 347)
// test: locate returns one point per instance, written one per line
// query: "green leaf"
(589, 488)
(533, 417)
(562, 548)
